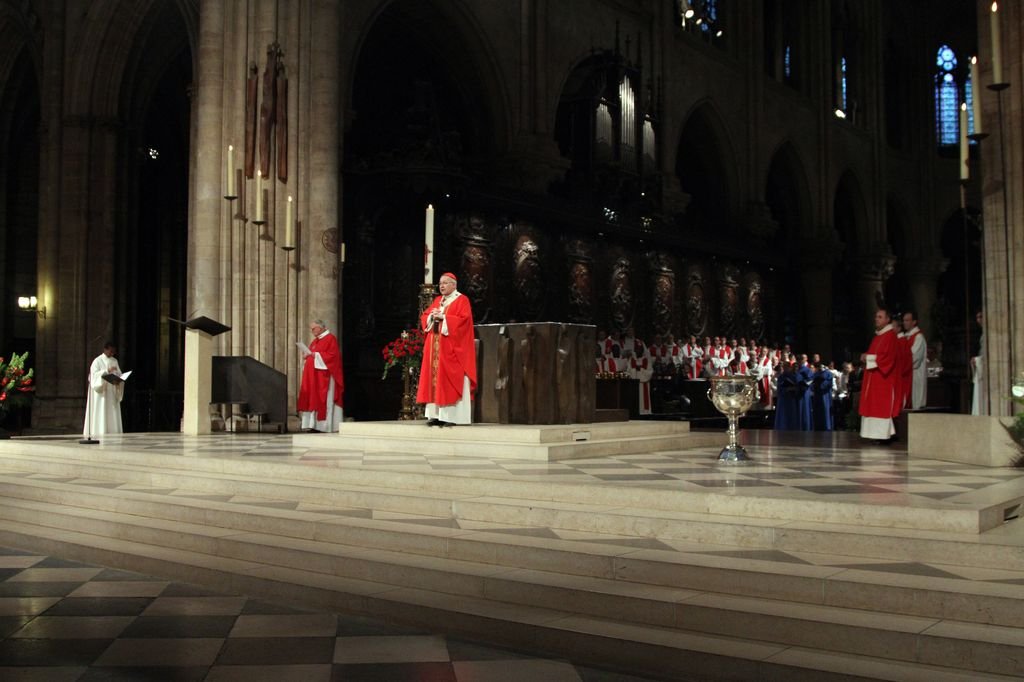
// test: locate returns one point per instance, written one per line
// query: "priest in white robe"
(912, 336)
(103, 399)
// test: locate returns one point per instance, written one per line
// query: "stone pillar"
(923, 276)
(322, 234)
(1002, 179)
(873, 267)
(818, 256)
(205, 193)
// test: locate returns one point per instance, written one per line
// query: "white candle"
(428, 248)
(231, 172)
(259, 197)
(289, 224)
(997, 61)
(965, 172)
(343, 252)
(976, 96)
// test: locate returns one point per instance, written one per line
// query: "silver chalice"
(733, 396)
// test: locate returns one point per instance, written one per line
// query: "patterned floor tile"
(276, 651)
(389, 649)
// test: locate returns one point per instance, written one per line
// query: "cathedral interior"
(769, 170)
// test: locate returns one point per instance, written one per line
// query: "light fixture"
(719, 34)
(29, 304)
(689, 13)
(840, 113)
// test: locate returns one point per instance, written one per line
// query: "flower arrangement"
(405, 351)
(16, 385)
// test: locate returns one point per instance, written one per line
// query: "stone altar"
(535, 373)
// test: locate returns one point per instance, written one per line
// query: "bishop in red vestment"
(448, 372)
(320, 396)
(882, 390)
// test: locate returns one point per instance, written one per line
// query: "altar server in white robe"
(103, 401)
(912, 336)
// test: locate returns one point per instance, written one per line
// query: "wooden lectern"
(199, 333)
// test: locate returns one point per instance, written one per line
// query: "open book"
(117, 379)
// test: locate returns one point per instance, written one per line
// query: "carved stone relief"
(696, 300)
(581, 285)
(475, 267)
(755, 305)
(621, 294)
(728, 296)
(663, 292)
(528, 277)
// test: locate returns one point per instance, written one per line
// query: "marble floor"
(813, 466)
(64, 620)
(833, 467)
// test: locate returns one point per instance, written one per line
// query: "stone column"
(873, 267)
(818, 257)
(1002, 177)
(923, 276)
(205, 193)
(323, 234)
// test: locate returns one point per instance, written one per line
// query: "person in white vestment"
(919, 354)
(103, 398)
(979, 401)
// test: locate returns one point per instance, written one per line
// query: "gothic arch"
(904, 246)
(787, 192)
(705, 166)
(17, 32)
(849, 213)
(453, 34)
(102, 50)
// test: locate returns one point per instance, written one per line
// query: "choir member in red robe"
(882, 388)
(448, 373)
(320, 396)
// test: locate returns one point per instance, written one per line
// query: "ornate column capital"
(927, 267)
(758, 221)
(877, 262)
(821, 251)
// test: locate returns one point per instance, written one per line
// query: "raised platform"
(823, 560)
(545, 443)
(970, 439)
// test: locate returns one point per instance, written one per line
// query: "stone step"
(211, 524)
(545, 444)
(269, 476)
(961, 549)
(401, 586)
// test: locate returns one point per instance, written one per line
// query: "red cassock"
(315, 382)
(441, 382)
(882, 392)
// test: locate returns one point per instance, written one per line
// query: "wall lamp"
(30, 303)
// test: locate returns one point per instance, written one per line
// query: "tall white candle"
(343, 252)
(231, 172)
(997, 60)
(259, 197)
(965, 172)
(976, 96)
(289, 224)
(428, 247)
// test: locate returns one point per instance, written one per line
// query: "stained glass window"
(787, 63)
(842, 83)
(947, 96)
(969, 98)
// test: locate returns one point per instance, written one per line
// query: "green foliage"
(1016, 431)
(16, 384)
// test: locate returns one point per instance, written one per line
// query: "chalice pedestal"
(733, 396)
